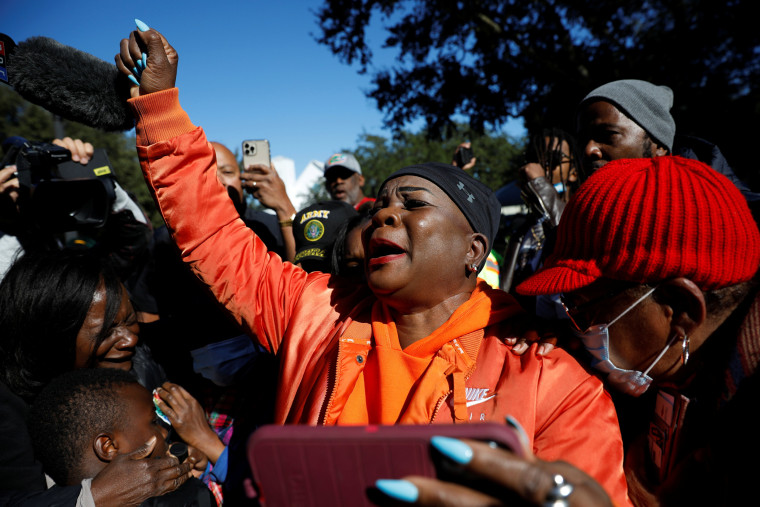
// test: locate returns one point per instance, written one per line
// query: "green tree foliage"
(488, 60)
(498, 156)
(21, 118)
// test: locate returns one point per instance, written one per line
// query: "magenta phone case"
(307, 465)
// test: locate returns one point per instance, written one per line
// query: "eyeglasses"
(579, 314)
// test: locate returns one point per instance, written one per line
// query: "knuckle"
(533, 481)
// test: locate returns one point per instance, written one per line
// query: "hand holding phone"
(482, 474)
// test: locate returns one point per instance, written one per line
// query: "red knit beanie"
(651, 219)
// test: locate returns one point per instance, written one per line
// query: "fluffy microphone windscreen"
(71, 83)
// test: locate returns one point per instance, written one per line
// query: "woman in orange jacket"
(421, 342)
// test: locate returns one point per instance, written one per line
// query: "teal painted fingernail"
(452, 448)
(133, 79)
(144, 60)
(136, 71)
(511, 421)
(514, 423)
(141, 26)
(403, 491)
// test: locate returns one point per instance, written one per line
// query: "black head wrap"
(476, 201)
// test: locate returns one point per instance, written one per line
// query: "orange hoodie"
(395, 384)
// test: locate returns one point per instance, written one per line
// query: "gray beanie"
(643, 102)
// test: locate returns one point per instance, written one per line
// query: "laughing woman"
(60, 312)
(422, 342)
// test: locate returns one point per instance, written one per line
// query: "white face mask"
(596, 340)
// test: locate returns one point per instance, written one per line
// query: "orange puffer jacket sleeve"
(296, 315)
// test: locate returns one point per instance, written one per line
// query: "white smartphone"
(256, 151)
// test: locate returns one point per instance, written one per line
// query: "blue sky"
(247, 70)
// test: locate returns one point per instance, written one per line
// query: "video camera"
(56, 194)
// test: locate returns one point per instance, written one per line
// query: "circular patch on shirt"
(314, 230)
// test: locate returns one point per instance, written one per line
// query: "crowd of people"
(617, 335)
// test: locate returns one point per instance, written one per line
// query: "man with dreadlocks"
(551, 173)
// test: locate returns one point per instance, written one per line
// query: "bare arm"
(189, 420)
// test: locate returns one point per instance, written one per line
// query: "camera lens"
(179, 449)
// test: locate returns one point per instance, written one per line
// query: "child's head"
(84, 418)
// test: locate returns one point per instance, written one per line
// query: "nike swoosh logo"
(477, 402)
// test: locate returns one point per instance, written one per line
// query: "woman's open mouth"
(382, 252)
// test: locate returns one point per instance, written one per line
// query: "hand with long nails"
(496, 476)
(148, 60)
